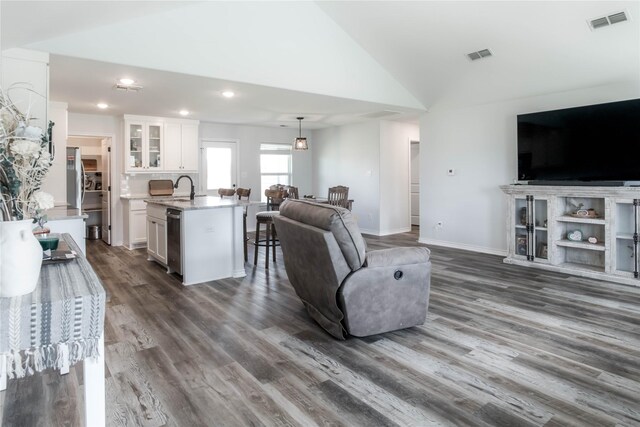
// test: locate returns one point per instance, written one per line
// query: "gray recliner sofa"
(346, 289)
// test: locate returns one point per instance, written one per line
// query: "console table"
(60, 323)
(601, 241)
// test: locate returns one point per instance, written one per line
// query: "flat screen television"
(590, 145)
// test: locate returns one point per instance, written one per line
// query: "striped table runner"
(58, 324)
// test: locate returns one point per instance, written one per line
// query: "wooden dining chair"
(275, 195)
(274, 198)
(244, 194)
(339, 196)
(291, 192)
(226, 192)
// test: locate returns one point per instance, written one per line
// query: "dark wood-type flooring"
(502, 345)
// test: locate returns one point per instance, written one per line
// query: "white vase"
(20, 258)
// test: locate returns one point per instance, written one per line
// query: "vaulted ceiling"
(334, 62)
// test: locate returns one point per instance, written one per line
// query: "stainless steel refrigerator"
(75, 178)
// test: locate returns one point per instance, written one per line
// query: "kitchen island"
(200, 239)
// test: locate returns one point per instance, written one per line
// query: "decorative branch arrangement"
(24, 162)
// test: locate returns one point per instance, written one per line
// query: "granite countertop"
(200, 202)
(146, 196)
(64, 212)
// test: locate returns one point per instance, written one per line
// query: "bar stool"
(274, 198)
(244, 192)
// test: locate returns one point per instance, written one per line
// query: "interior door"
(106, 190)
(219, 166)
(415, 183)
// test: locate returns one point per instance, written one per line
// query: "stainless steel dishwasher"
(173, 240)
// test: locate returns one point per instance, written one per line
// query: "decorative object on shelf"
(521, 245)
(574, 235)
(592, 239)
(300, 143)
(544, 224)
(98, 185)
(88, 183)
(585, 213)
(523, 215)
(24, 162)
(543, 251)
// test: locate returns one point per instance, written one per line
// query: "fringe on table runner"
(27, 362)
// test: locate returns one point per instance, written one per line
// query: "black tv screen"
(591, 143)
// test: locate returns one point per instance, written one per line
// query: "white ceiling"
(332, 62)
(539, 47)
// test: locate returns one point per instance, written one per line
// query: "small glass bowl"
(48, 241)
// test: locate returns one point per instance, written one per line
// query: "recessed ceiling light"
(102, 105)
(228, 94)
(184, 112)
(126, 81)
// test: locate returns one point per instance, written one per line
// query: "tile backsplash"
(131, 184)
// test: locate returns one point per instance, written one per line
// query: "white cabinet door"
(155, 146)
(138, 226)
(173, 146)
(190, 148)
(134, 146)
(152, 237)
(144, 146)
(161, 239)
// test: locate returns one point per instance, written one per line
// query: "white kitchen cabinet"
(181, 146)
(135, 223)
(144, 144)
(157, 234)
(158, 144)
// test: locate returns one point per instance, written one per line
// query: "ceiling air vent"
(128, 88)
(605, 21)
(479, 54)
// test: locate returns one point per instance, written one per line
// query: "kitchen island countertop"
(58, 213)
(200, 202)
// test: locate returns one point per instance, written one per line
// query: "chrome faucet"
(192, 195)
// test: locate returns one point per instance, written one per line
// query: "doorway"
(219, 166)
(96, 157)
(415, 183)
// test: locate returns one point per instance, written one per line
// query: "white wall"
(480, 143)
(395, 161)
(350, 155)
(372, 159)
(24, 77)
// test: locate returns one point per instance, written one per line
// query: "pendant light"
(300, 143)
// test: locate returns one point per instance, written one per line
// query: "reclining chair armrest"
(390, 293)
(397, 256)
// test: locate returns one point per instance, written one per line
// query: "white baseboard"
(473, 248)
(385, 232)
(395, 231)
(367, 231)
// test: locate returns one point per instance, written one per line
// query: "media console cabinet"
(545, 230)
